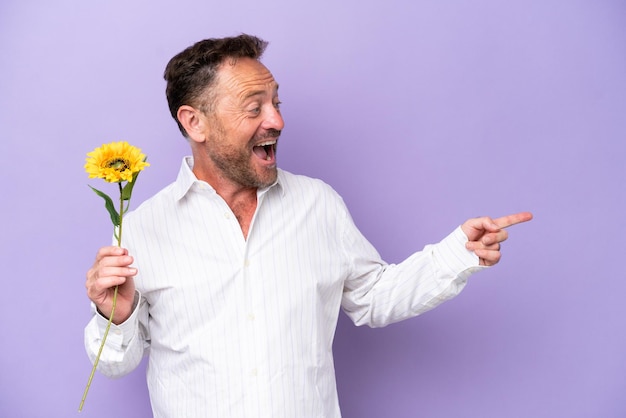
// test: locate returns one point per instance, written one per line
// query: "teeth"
(264, 144)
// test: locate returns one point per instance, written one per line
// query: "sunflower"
(115, 162)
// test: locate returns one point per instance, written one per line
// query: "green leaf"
(127, 191)
(128, 188)
(110, 207)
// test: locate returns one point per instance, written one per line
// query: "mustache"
(271, 133)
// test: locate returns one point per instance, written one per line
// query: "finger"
(476, 245)
(510, 220)
(105, 283)
(488, 257)
(111, 267)
(110, 251)
(100, 287)
(98, 290)
(475, 228)
(494, 237)
(115, 261)
(116, 272)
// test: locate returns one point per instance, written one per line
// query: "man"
(233, 276)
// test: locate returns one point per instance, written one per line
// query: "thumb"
(476, 227)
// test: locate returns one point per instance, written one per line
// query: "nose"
(273, 119)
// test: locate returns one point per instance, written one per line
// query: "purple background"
(421, 114)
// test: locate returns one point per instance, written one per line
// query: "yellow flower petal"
(115, 162)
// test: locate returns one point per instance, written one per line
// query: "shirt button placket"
(251, 317)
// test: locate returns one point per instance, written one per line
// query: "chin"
(268, 177)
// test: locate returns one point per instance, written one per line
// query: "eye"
(277, 105)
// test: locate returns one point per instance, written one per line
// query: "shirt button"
(246, 263)
(226, 215)
(254, 372)
(251, 317)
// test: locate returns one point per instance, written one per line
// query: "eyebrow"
(259, 92)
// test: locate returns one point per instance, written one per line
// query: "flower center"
(118, 164)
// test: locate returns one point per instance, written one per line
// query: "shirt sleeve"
(378, 294)
(125, 343)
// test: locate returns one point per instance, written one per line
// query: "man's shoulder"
(156, 203)
(295, 182)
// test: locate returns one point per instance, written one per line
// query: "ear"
(194, 122)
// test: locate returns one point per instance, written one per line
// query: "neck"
(243, 205)
(241, 200)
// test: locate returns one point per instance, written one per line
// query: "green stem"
(113, 304)
(119, 230)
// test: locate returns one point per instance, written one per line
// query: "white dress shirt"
(244, 328)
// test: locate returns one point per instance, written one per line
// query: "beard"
(235, 163)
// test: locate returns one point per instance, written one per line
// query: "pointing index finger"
(510, 220)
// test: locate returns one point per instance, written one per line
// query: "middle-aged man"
(233, 276)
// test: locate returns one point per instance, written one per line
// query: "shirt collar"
(187, 179)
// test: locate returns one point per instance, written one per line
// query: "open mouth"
(265, 150)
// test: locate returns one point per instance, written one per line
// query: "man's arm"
(128, 336)
(125, 343)
(378, 294)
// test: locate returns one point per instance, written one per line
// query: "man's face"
(244, 128)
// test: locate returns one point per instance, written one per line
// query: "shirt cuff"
(459, 259)
(120, 335)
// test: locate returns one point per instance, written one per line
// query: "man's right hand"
(111, 269)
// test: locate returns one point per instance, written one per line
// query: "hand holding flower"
(110, 278)
(110, 269)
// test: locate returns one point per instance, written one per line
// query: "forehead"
(245, 77)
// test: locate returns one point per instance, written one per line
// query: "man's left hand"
(485, 235)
